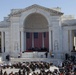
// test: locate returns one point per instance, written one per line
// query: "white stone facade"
(13, 29)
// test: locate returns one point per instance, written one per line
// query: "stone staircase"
(32, 56)
(49, 60)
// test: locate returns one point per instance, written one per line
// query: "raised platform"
(33, 55)
(53, 60)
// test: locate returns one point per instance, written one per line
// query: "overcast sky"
(68, 7)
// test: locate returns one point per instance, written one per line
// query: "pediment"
(18, 12)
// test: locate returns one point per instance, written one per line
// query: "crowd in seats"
(67, 67)
(40, 68)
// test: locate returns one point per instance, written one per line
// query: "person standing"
(46, 54)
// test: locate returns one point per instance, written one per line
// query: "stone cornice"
(4, 24)
(63, 24)
(36, 30)
(36, 6)
(71, 22)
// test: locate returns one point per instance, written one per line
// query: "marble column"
(2, 41)
(23, 41)
(71, 41)
(75, 42)
(32, 40)
(43, 39)
(50, 40)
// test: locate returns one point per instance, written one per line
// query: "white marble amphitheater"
(36, 29)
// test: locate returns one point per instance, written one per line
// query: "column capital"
(50, 28)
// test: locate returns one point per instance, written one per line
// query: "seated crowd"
(67, 67)
(40, 68)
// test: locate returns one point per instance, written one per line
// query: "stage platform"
(32, 56)
(49, 60)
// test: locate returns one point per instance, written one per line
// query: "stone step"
(50, 60)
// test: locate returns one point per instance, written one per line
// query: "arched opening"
(35, 21)
(36, 29)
